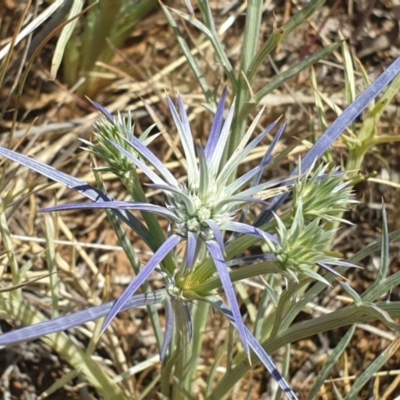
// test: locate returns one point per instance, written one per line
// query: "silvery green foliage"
(302, 246)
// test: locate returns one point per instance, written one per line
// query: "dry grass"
(91, 267)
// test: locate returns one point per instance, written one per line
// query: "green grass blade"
(350, 86)
(285, 76)
(212, 35)
(383, 270)
(64, 37)
(60, 383)
(251, 32)
(372, 369)
(201, 79)
(280, 34)
(328, 366)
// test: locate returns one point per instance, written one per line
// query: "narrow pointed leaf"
(186, 139)
(246, 229)
(77, 318)
(221, 144)
(160, 254)
(118, 205)
(223, 272)
(191, 248)
(336, 129)
(237, 157)
(169, 327)
(268, 155)
(153, 176)
(258, 350)
(80, 186)
(217, 233)
(216, 128)
(103, 110)
(151, 158)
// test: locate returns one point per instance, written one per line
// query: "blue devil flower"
(204, 207)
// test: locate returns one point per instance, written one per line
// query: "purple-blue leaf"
(216, 128)
(219, 261)
(169, 327)
(79, 186)
(151, 158)
(77, 318)
(268, 155)
(258, 350)
(144, 273)
(103, 110)
(186, 137)
(246, 229)
(118, 205)
(217, 233)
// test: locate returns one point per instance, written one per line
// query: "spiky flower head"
(119, 129)
(302, 247)
(322, 194)
(204, 207)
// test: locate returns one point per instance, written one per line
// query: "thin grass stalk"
(324, 373)
(194, 65)
(285, 76)
(280, 34)
(213, 36)
(378, 363)
(285, 369)
(244, 83)
(367, 136)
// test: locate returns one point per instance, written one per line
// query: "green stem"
(251, 33)
(199, 323)
(181, 375)
(247, 272)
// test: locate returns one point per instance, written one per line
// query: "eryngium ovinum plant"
(209, 204)
(208, 212)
